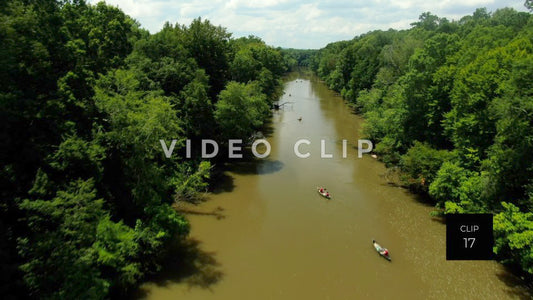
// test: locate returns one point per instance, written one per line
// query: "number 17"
(469, 241)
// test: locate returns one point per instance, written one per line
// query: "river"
(266, 233)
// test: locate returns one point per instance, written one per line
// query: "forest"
(86, 95)
(450, 106)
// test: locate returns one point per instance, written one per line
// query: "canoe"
(324, 194)
(380, 250)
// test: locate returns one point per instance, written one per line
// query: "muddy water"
(267, 234)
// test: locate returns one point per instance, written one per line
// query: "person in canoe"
(381, 250)
(323, 191)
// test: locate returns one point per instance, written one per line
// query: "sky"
(301, 24)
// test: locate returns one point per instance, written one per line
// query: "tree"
(427, 21)
(60, 260)
(421, 163)
(457, 187)
(513, 236)
(209, 46)
(244, 67)
(196, 109)
(511, 155)
(241, 109)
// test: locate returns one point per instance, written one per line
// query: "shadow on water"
(187, 264)
(269, 166)
(439, 219)
(518, 288)
(251, 165)
(268, 128)
(217, 212)
(420, 197)
(256, 167)
(221, 183)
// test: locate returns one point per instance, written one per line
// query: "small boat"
(381, 250)
(324, 193)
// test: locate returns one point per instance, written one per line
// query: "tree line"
(450, 105)
(86, 94)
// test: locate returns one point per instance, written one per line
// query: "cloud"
(255, 3)
(301, 24)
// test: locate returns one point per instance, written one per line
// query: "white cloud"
(140, 8)
(254, 3)
(300, 24)
(432, 6)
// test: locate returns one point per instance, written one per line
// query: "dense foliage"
(85, 96)
(450, 104)
(295, 58)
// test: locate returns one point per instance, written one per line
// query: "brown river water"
(266, 233)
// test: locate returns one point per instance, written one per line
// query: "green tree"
(421, 163)
(457, 189)
(510, 157)
(60, 260)
(209, 46)
(195, 108)
(241, 109)
(426, 96)
(244, 67)
(513, 236)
